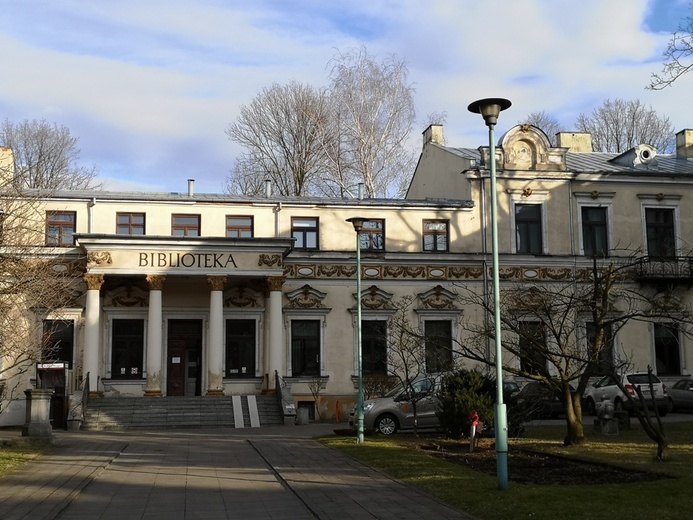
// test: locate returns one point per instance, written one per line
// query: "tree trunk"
(573, 417)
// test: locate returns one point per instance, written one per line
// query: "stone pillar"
(92, 331)
(215, 345)
(275, 344)
(154, 336)
(38, 404)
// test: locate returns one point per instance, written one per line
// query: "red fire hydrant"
(473, 423)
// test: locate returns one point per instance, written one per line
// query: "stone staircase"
(154, 413)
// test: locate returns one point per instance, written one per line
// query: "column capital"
(217, 282)
(93, 281)
(155, 281)
(274, 283)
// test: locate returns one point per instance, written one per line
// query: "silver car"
(681, 395)
(606, 389)
(395, 411)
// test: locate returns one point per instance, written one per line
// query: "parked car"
(681, 395)
(540, 400)
(510, 391)
(607, 389)
(394, 411)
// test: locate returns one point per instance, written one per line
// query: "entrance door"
(184, 367)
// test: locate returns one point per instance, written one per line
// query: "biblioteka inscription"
(194, 260)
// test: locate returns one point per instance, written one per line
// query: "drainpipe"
(90, 218)
(277, 210)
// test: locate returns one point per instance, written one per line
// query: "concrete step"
(143, 413)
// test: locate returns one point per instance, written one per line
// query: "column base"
(152, 393)
(214, 393)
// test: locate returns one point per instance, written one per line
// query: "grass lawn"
(13, 456)
(476, 493)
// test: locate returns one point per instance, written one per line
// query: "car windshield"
(422, 386)
(395, 391)
(641, 379)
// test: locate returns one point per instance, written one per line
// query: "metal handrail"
(286, 400)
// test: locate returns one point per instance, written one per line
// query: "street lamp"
(489, 109)
(358, 222)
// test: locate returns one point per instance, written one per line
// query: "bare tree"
(33, 282)
(282, 131)
(678, 57)
(618, 125)
(375, 110)
(546, 122)
(561, 333)
(245, 179)
(46, 156)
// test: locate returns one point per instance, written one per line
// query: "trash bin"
(302, 416)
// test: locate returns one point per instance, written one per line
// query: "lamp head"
(357, 222)
(489, 109)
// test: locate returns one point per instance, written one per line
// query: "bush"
(461, 392)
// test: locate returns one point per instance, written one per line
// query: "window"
(532, 346)
(528, 228)
(372, 235)
(660, 232)
(185, 225)
(605, 357)
(666, 344)
(438, 344)
(130, 223)
(435, 235)
(240, 348)
(58, 340)
(239, 227)
(60, 228)
(374, 346)
(594, 231)
(305, 347)
(127, 349)
(305, 231)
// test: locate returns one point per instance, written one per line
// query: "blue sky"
(149, 86)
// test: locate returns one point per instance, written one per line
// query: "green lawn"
(477, 493)
(13, 456)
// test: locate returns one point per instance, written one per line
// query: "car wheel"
(670, 406)
(591, 406)
(618, 405)
(386, 425)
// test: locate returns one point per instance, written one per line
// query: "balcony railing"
(671, 269)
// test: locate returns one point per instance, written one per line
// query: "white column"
(275, 345)
(154, 336)
(215, 345)
(92, 331)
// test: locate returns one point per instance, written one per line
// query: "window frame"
(186, 228)
(240, 229)
(254, 369)
(678, 351)
(660, 201)
(305, 232)
(365, 323)
(440, 365)
(291, 315)
(72, 337)
(534, 359)
(589, 232)
(130, 225)
(142, 356)
(369, 235)
(61, 225)
(530, 223)
(436, 234)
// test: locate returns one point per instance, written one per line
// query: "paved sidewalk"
(267, 473)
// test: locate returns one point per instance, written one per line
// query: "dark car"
(539, 400)
(681, 395)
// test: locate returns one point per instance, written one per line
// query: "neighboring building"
(199, 294)
(558, 207)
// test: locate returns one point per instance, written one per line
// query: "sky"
(149, 86)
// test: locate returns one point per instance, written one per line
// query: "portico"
(209, 312)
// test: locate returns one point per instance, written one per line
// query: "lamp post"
(357, 222)
(489, 109)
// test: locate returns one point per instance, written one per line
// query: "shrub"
(461, 392)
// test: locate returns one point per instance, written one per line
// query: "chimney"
(579, 142)
(433, 134)
(268, 188)
(684, 144)
(6, 165)
(361, 186)
(191, 187)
